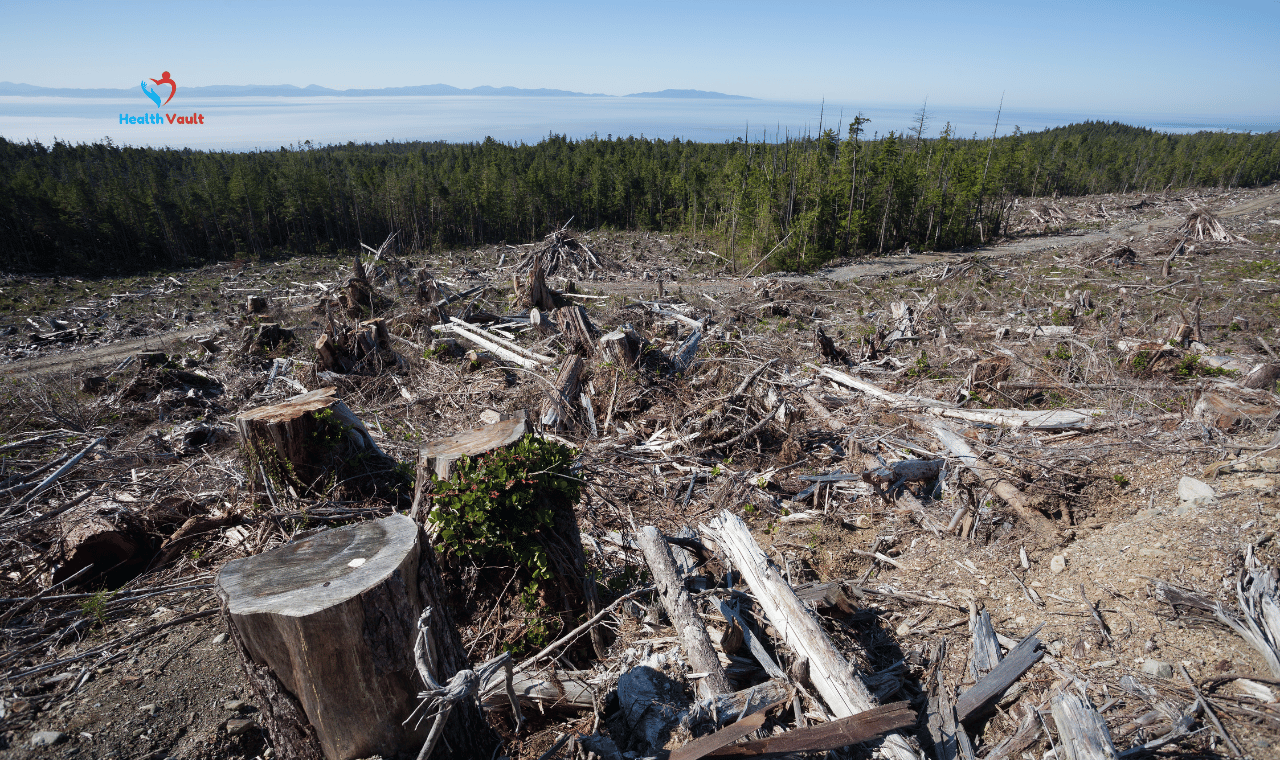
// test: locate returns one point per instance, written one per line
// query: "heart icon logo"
(150, 92)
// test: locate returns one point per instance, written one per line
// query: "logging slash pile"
(1010, 507)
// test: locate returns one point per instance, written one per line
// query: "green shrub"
(499, 502)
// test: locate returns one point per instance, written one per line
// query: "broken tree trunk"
(1082, 732)
(993, 480)
(435, 459)
(311, 442)
(556, 409)
(537, 294)
(579, 333)
(328, 625)
(836, 681)
(684, 618)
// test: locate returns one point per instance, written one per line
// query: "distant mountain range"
(313, 90)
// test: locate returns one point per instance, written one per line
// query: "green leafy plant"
(1120, 480)
(1192, 366)
(921, 368)
(498, 502)
(95, 606)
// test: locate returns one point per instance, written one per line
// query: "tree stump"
(621, 347)
(313, 441)
(264, 336)
(257, 305)
(538, 294)
(437, 457)
(1262, 377)
(326, 629)
(101, 534)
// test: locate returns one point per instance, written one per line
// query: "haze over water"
(266, 123)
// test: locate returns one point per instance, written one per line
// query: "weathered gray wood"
(1082, 733)
(333, 617)
(688, 349)
(943, 726)
(753, 643)
(437, 457)
(578, 331)
(985, 654)
(833, 677)
(684, 618)
(620, 348)
(556, 407)
(559, 689)
(980, 699)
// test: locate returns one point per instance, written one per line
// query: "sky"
(1117, 56)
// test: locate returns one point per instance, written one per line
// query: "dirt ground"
(1072, 300)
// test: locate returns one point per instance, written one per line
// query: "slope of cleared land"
(1075, 312)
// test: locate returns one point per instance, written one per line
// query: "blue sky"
(1183, 57)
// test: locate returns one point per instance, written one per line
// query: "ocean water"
(266, 123)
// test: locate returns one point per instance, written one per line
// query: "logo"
(154, 97)
(150, 92)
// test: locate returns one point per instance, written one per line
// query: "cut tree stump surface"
(334, 619)
(440, 455)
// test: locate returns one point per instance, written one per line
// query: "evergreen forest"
(103, 208)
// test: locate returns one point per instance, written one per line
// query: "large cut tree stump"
(312, 442)
(437, 457)
(326, 628)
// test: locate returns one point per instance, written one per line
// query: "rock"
(1057, 564)
(1259, 484)
(219, 639)
(148, 709)
(651, 704)
(234, 705)
(1157, 669)
(602, 746)
(47, 738)
(237, 726)
(1195, 493)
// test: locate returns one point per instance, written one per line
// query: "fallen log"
(826, 736)
(981, 698)
(1051, 419)
(993, 480)
(684, 618)
(102, 536)
(326, 630)
(489, 342)
(832, 675)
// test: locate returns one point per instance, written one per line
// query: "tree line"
(100, 207)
